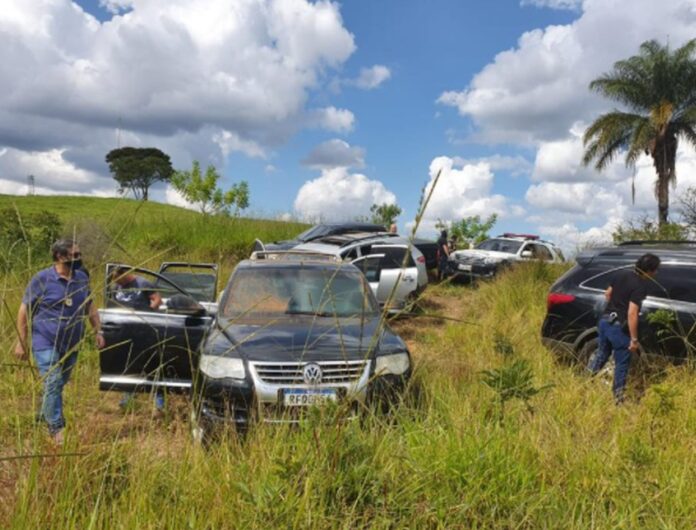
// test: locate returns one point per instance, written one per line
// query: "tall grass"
(442, 459)
(439, 461)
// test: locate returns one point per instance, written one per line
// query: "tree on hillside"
(659, 88)
(203, 191)
(471, 230)
(385, 214)
(136, 169)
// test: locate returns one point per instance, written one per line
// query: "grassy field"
(449, 457)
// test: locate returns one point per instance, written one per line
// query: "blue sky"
(494, 92)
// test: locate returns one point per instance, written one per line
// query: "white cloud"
(371, 78)
(515, 165)
(553, 4)
(463, 190)
(340, 195)
(537, 90)
(233, 76)
(335, 153)
(561, 161)
(51, 172)
(560, 208)
(331, 119)
(116, 6)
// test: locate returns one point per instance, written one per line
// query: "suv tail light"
(558, 298)
(421, 259)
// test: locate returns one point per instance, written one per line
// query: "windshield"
(297, 291)
(313, 233)
(500, 245)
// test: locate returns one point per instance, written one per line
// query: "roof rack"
(639, 242)
(289, 255)
(524, 236)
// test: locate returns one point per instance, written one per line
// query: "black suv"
(576, 300)
(294, 330)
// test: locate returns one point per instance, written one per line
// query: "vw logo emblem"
(312, 374)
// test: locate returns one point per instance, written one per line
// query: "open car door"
(389, 268)
(147, 348)
(199, 280)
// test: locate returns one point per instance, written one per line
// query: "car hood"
(474, 254)
(302, 339)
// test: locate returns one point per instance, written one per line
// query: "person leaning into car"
(443, 252)
(139, 294)
(55, 305)
(618, 325)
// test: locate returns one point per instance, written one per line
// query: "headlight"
(217, 367)
(395, 364)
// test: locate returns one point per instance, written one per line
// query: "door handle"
(110, 327)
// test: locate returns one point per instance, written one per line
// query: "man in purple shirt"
(55, 303)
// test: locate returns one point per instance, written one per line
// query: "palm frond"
(607, 135)
(643, 132)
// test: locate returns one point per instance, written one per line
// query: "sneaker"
(58, 438)
(159, 402)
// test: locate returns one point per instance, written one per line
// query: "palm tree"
(659, 88)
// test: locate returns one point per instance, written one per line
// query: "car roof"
(630, 252)
(522, 239)
(337, 244)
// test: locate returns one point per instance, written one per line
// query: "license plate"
(307, 397)
(463, 267)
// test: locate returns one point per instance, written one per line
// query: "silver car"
(394, 268)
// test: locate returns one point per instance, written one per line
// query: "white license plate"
(307, 397)
(463, 267)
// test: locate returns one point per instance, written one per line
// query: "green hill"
(126, 229)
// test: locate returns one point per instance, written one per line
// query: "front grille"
(292, 373)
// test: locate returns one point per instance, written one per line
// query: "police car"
(491, 255)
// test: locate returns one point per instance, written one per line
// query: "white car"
(488, 257)
(394, 274)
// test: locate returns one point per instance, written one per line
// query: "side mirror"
(526, 254)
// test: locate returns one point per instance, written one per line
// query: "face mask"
(75, 264)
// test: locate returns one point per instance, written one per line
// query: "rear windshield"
(314, 233)
(298, 291)
(500, 245)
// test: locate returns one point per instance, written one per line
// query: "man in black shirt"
(618, 325)
(443, 252)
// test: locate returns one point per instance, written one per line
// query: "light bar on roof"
(523, 236)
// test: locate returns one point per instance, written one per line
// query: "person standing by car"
(137, 293)
(56, 301)
(618, 325)
(442, 255)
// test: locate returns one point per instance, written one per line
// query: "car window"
(136, 289)
(603, 280)
(371, 267)
(396, 257)
(541, 252)
(674, 283)
(351, 254)
(500, 245)
(286, 291)
(201, 286)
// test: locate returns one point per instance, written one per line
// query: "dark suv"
(577, 299)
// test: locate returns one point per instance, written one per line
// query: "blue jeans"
(612, 338)
(55, 369)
